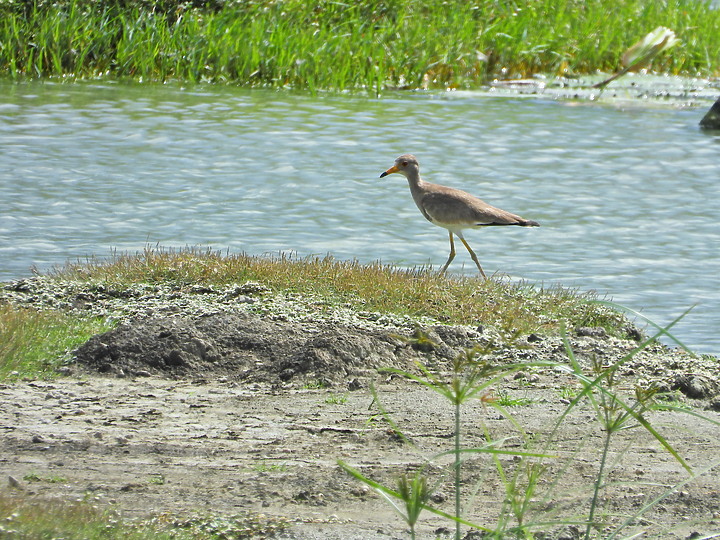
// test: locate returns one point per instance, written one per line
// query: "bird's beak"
(391, 170)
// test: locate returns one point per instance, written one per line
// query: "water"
(627, 196)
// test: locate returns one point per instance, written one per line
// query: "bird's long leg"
(472, 254)
(452, 254)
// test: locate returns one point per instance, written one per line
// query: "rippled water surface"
(627, 196)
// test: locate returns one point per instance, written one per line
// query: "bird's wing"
(458, 207)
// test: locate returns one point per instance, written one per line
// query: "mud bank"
(234, 400)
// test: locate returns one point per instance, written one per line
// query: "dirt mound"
(248, 347)
(244, 332)
(254, 349)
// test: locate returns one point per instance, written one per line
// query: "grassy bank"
(371, 44)
(35, 340)
(512, 307)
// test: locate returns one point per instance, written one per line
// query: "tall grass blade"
(396, 495)
(386, 416)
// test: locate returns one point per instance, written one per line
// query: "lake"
(627, 192)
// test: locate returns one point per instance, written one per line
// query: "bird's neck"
(414, 180)
(416, 183)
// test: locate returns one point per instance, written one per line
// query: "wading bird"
(451, 208)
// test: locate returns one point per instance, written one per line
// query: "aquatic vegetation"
(333, 45)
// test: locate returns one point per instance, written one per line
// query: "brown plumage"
(452, 209)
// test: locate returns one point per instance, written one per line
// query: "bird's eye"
(404, 163)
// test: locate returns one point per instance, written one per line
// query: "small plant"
(336, 399)
(613, 413)
(32, 477)
(524, 477)
(470, 378)
(568, 393)
(420, 341)
(414, 493)
(316, 384)
(670, 401)
(504, 399)
(270, 467)
(521, 487)
(157, 479)
(52, 479)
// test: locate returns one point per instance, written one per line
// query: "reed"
(327, 45)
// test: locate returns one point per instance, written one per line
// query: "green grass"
(372, 45)
(337, 399)
(315, 385)
(264, 466)
(28, 518)
(505, 399)
(157, 479)
(35, 343)
(34, 477)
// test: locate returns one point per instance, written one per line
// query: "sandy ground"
(151, 445)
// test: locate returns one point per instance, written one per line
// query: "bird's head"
(404, 165)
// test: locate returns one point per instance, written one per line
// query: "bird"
(452, 209)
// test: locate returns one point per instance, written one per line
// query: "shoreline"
(205, 403)
(140, 310)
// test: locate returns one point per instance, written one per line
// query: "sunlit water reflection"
(627, 196)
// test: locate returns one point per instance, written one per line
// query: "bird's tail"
(529, 223)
